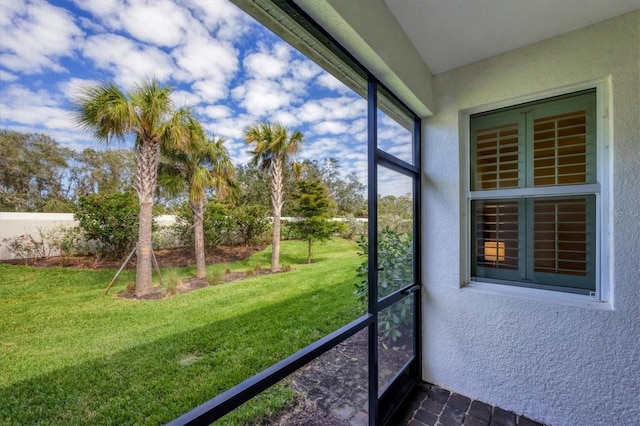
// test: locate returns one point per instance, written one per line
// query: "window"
(533, 194)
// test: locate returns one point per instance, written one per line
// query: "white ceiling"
(452, 33)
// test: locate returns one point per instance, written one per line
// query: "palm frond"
(105, 112)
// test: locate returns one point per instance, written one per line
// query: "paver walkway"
(334, 391)
(431, 405)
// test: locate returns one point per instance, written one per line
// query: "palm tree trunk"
(276, 202)
(197, 208)
(145, 185)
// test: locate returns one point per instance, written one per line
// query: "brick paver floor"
(431, 405)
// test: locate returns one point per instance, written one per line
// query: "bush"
(168, 237)
(69, 240)
(353, 227)
(395, 257)
(25, 247)
(111, 220)
(224, 225)
(251, 224)
(62, 240)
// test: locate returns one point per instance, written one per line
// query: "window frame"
(603, 291)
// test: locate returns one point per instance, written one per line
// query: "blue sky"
(229, 69)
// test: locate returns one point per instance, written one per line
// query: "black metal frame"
(392, 397)
(382, 407)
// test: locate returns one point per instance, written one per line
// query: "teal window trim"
(526, 193)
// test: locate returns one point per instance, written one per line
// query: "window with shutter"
(531, 195)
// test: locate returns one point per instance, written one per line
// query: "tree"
(146, 114)
(254, 185)
(33, 168)
(273, 148)
(396, 213)
(313, 207)
(112, 170)
(346, 191)
(203, 165)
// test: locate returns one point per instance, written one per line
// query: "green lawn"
(69, 355)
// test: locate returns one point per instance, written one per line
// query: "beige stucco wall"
(538, 353)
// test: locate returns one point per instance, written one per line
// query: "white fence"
(16, 224)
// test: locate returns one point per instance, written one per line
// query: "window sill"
(545, 296)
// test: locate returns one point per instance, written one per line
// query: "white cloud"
(395, 139)
(39, 109)
(105, 10)
(197, 46)
(216, 111)
(264, 65)
(328, 81)
(183, 98)
(210, 91)
(260, 97)
(231, 127)
(222, 17)
(204, 58)
(35, 35)
(340, 108)
(7, 76)
(90, 26)
(129, 62)
(331, 127)
(161, 23)
(285, 118)
(73, 87)
(305, 69)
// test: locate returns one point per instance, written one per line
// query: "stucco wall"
(536, 353)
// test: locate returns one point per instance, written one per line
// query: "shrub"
(111, 220)
(216, 224)
(171, 282)
(62, 240)
(168, 237)
(69, 240)
(395, 257)
(225, 225)
(250, 224)
(214, 277)
(25, 247)
(353, 227)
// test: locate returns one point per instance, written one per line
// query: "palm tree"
(146, 113)
(205, 164)
(274, 146)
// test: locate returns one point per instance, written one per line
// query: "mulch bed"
(176, 257)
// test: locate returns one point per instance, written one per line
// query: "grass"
(72, 356)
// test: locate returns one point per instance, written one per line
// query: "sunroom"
(523, 163)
